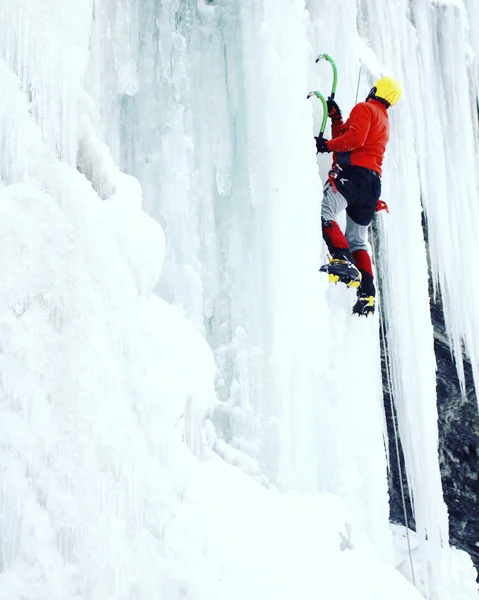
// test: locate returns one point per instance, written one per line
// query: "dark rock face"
(458, 447)
(458, 443)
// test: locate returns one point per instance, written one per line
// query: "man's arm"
(336, 126)
(359, 124)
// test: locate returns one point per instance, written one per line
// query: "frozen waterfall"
(188, 409)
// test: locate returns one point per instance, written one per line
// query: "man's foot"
(364, 306)
(342, 270)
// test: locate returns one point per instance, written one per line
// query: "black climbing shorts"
(361, 188)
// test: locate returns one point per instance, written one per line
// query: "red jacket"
(361, 141)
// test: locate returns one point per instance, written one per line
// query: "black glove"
(321, 145)
(334, 112)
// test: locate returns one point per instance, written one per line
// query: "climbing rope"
(359, 79)
(396, 435)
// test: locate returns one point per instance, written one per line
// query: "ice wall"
(205, 103)
(225, 96)
(220, 137)
(434, 157)
(102, 382)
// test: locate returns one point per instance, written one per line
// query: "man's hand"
(334, 112)
(322, 145)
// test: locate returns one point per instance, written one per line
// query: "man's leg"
(333, 204)
(357, 236)
(341, 267)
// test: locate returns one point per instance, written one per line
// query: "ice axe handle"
(335, 72)
(325, 111)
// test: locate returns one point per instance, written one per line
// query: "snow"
(463, 571)
(184, 409)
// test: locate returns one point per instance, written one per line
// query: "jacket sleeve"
(358, 126)
(336, 126)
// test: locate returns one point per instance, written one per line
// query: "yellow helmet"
(386, 90)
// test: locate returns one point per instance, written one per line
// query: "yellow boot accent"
(354, 284)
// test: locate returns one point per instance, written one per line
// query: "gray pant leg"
(357, 235)
(333, 203)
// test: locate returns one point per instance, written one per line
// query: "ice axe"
(333, 91)
(325, 111)
(335, 72)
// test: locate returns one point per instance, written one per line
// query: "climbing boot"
(342, 270)
(364, 306)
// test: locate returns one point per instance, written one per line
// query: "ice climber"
(354, 184)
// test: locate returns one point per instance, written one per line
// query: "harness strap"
(381, 205)
(332, 175)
